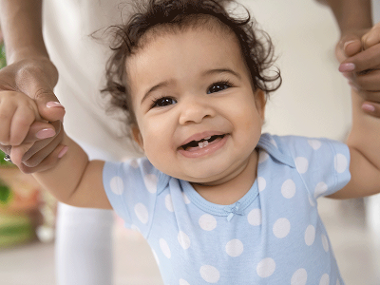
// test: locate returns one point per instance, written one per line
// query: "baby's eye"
(164, 101)
(219, 86)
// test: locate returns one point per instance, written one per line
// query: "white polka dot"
(302, 164)
(209, 273)
(169, 203)
(185, 198)
(320, 189)
(266, 267)
(281, 228)
(156, 257)
(261, 183)
(263, 156)
(288, 189)
(315, 144)
(142, 213)
(134, 163)
(165, 248)
(325, 243)
(340, 163)
(310, 235)
(184, 240)
(183, 282)
(150, 181)
(254, 217)
(299, 277)
(207, 222)
(117, 185)
(234, 248)
(325, 279)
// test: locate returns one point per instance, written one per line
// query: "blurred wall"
(314, 99)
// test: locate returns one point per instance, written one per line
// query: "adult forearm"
(21, 23)
(351, 14)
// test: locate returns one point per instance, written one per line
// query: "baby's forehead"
(192, 22)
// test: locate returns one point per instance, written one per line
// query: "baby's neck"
(234, 189)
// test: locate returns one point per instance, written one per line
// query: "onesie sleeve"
(323, 164)
(131, 188)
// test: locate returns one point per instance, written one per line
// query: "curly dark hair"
(255, 44)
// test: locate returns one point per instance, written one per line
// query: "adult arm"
(30, 71)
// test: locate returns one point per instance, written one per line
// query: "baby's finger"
(22, 119)
(6, 114)
(49, 162)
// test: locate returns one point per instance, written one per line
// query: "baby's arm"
(74, 180)
(364, 139)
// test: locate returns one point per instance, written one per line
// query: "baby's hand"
(17, 114)
(21, 127)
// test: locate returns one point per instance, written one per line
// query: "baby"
(218, 201)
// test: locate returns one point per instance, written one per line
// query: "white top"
(81, 64)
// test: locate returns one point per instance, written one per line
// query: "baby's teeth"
(202, 144)
(207, 138)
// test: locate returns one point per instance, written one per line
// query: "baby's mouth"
(194, 145)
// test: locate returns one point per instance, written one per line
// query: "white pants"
(83, 247)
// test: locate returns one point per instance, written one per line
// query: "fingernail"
(53, 104)
(346, 67)
(347, 43)
(368, 107)
(63, 151)
(45, 133)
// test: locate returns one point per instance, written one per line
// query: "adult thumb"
(48, 105)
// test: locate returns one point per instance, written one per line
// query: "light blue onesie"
(273, 235)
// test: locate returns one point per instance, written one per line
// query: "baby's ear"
(137, 136)
(261, 101)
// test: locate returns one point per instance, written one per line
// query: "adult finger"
(367, 59)
(368, 81)
(348, 45)
(49, 162)
(48, 105)
(372, 37)
(371, 108)
(41, 130)
(41, 149)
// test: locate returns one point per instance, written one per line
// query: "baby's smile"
(204, 146)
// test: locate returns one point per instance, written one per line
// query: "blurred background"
(314, 100)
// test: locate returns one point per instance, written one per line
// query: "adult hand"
(359, 54)
(36, 78)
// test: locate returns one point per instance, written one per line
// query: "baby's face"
(198, 117)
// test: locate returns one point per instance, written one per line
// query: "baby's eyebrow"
(155, 87)
(221, 70)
